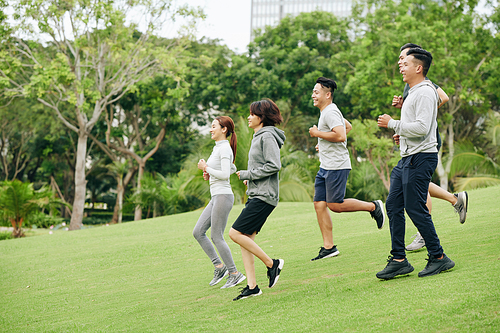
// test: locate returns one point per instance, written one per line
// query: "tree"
(463, 48)
(91, 59)
(379, 151)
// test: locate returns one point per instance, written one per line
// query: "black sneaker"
(435, 266)
(327, 253)
(273, 273)
(247, 292)
(378, 214)
(395, 268)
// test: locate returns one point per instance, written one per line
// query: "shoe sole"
(243, 278)
(237, 299)
(443, 268)
(383, 213)
(408, 249)
(334, 254)
(402, 271)
(280, 267)
(219, 280)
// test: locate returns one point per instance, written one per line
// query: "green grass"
(152, 276)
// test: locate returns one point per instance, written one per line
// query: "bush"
(41, 220)
(5, 235)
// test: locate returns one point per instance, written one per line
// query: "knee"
(335, 207)
(320, 206)
(216, 237)
(197, 234)
(233, 234)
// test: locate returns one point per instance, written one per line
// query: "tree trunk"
(80, 183)
(138, 209)
(444, 170)
(18, 230)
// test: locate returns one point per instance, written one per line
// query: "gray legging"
(215, 216)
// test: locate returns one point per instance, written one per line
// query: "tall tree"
(463, 48)
(92, 57)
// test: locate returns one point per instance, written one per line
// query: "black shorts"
(253, 216)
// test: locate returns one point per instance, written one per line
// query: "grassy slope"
(153, 276)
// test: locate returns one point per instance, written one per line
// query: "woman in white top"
(217, 169)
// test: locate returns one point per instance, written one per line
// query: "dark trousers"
(409, 186)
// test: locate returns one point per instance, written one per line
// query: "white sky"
(228, 20)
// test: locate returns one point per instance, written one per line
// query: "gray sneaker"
(435, 266)
(233, 280)
(417, 243)
(219, 274)
(461, 205)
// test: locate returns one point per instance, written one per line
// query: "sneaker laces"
(241, 290)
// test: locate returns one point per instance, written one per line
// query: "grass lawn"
(152, 276)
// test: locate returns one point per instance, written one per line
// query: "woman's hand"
(206, 176)
(202, 165)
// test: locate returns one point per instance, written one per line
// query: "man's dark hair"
(327, 83)
(267, 111)
(410, 46)
(423, 57)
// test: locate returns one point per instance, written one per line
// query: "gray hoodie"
(264, 165)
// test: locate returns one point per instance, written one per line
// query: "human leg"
(222, 205)
(247, 242)
(335, 183)
(440, 193)
(418, 241)
(325, 223)
(397, 264)
(417, 175)
(395, 211)
(199, 233)
(248, 262)
(351, 205)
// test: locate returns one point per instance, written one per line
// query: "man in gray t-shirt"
(331, 180)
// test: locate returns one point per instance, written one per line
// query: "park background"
(103, 119)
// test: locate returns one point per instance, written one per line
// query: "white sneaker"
(233, 280)
(417, 243)
(461, 205)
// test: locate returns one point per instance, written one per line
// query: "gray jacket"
(264, 165)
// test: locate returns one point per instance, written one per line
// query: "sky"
(228, 20)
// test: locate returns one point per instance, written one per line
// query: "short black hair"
(422, 56)
(327, 83)
(410, 46)
(267, 111)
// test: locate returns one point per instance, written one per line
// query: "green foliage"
(5, 235)
(42, 220)
(473, 167)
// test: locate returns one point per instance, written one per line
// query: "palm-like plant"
(296, 175)
(19, 201)
(474, 168)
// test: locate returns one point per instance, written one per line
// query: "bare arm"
(442, 96)
(337, 134)
(348, 126)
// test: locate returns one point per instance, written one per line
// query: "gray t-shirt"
(332, 155)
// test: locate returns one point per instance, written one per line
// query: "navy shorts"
(330, 185)
(253, 216)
